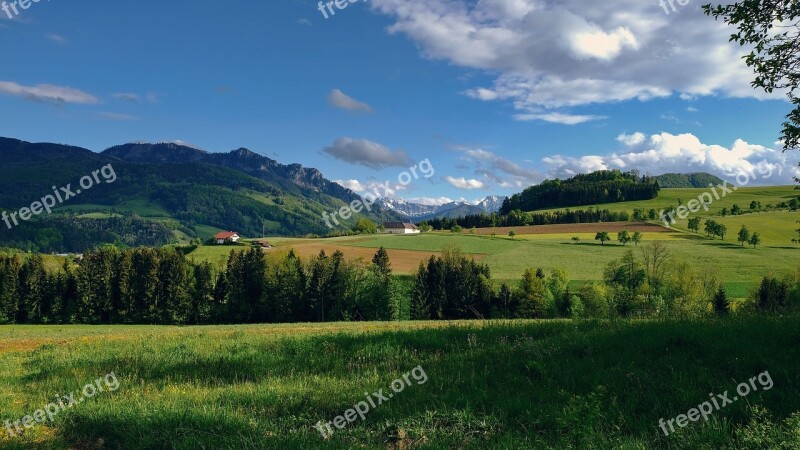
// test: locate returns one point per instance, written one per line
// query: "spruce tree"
(722, 306)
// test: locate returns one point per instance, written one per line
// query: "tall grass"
(556, 384)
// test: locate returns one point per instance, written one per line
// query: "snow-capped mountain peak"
(420, 211)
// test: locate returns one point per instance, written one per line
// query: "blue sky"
(497, 94)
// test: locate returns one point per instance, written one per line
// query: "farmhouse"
(226, 237)
(400, 228)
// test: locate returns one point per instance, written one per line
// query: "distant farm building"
(400, 228)
(226, 237)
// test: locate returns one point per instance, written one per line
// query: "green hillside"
(170, 192)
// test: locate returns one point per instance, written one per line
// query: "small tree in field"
(512, 234)
(722, 307)
(744, 235)
(721, 230)
(755, 239)
(624, 237)
(603, 237)
(637, 238)
(694, 224)
(576, 239)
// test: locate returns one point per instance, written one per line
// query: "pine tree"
(722, 306)
(531, 296)
(420, 302)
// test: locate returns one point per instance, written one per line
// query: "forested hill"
(688, 180)
(607, 186)
(163, 191)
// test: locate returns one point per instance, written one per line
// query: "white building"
(400, 228)
(226, 237)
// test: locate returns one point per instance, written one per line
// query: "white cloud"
(554, 55)
(683, 153)
(47, 93)
(631, 139)
(353, 185)
(378, 189)
(463, 183)
(341, 100)
(366, 153)
(560, 118)
(428, 201)
(602, 45)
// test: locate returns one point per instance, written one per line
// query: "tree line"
(162, 286)
(519, 218)
(606, 186)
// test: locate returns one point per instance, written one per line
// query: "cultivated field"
(498, 385)
(578, 228)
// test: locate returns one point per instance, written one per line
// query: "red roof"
(225, 235)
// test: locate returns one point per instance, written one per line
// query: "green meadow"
(490, 385)
(740, 268)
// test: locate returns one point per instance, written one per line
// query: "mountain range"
(419, 212)
(163, 192)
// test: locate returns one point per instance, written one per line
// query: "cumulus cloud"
(341, 100)
(47, 93)
(367, 153)
(551, 56)
(463, 183)
(683, 153)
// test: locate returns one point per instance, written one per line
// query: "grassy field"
(488, 385)
(740, 268)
